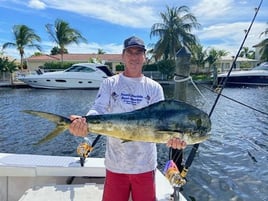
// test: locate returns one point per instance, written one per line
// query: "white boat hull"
(257, 76)
(26, 177)
(61, 83)
(78, 76)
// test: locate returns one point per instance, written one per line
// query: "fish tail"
(62, 124)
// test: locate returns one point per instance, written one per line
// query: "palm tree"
(174, 31)
(24, 37)
(198, 57)
(265, 32)
(264, 49)
(101, 51)
(214, 55)
(62, 34)
(264, 46)
(56, 50)
(8, 66)
(250, 54)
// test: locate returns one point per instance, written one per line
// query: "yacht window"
(86, 70)
(260, 68)
(105, 70)
(80, 69)
(71, 69)
(60, 81)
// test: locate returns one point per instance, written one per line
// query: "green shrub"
(119, 67)
(150, 67)
(57, 65)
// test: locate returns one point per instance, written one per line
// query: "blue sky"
(106, 23)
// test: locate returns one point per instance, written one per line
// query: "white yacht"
(257, 76)
(78, 76)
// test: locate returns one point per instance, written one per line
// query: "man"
(130, 166)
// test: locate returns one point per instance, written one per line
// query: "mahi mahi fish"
(157, 123)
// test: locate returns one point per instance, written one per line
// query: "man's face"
(134, 58)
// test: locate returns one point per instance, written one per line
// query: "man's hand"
(78, 126)
(176, 143)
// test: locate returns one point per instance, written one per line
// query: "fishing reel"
(83, 150)
(173, 174)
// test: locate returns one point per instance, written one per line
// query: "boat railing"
(24, 73)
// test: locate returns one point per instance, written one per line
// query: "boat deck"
(76, 192)
(27, 177)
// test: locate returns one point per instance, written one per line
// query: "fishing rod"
(83, 150)
(238, 102)
(195, 146)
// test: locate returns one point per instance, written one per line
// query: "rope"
(193, 83)
(186, 79)
(181, 80)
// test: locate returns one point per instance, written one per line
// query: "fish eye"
(199, 123)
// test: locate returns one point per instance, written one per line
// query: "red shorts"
(119, 187)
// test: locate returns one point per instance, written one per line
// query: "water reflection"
(231, 165)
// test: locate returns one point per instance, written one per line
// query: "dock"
(16, 84)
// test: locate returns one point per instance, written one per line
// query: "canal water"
(231, 165)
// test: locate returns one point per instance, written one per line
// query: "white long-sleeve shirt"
(119, 94)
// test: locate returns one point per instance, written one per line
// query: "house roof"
(258, 44)
(77, 57)
(230, 58)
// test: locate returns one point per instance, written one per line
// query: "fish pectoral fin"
(161, 132)
(124, 141)
(50, 136)
(167, 132)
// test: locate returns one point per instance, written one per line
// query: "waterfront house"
(225, 63)
(35, 62)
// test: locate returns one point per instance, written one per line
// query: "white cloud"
(37, 4)
(230, 36)
(223, 22)
(133, 1)
(210, 12)
(82, 48)
(212, 8)
(125, 13)
(93, 48)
